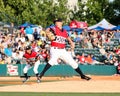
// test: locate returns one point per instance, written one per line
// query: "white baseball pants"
(35, 69)
(62, 54)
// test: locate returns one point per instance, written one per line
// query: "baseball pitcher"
(57, 50)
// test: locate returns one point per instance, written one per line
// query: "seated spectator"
(29, 33)
(90, 46)
(16, 57)
(1, 58)
(20, 37)
(100, 44)
(39, 42)
(73, 35)
(94, 34)
(27, 41)
(94, 42)
(117, 34)
(22, 31)
(107, 40)
(19, 44)
(3, 42)
(77, 39)
(42, 32)
(36, 35)
(43, 45)
(34, 45)
(102, 51)
(94, 60)
(84, 43)
(117, 50)
(23, 38)
(8, 60)
(110, 34)
(43, 37)
(82, 59)
(110, 58)
(89, 59)
(8, 53)
(2, 61)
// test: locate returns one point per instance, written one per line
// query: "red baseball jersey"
(32, 55)
(61, 36)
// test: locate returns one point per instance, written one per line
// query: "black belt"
(57, 48)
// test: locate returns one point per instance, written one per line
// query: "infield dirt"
(62, 84)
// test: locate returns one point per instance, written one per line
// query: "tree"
(96, 10)
(78, 15)
(34, 11)
(92, 11)
(116, 12)
(49, 11)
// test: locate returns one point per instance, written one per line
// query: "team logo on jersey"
(60, 39)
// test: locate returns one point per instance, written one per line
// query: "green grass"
(1, 85)
(12, 84)
(56, 94)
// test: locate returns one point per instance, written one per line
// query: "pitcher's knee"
(74, 66)
(72, 63)
(35, 70)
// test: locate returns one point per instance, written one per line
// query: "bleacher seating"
(95, 51)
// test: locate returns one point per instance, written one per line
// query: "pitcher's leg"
(68, 59)
(53, 61)
(81, 74)
(47, 66)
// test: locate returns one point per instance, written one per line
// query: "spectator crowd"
(106, 42)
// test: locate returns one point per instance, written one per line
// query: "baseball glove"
(50, 35)
(30, 61)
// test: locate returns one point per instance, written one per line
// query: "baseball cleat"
(38, 81)
(26, 79)
(39, 76)
(85, 77)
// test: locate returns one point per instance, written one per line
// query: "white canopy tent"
(104, 24)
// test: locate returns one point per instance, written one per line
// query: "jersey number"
(60, 39)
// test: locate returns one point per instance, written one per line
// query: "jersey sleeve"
(53, 30)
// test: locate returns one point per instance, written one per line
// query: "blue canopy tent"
(78, 30)
(66, 27)
(27, 24)
(98, 28)
(104, 24)
(116, 28)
